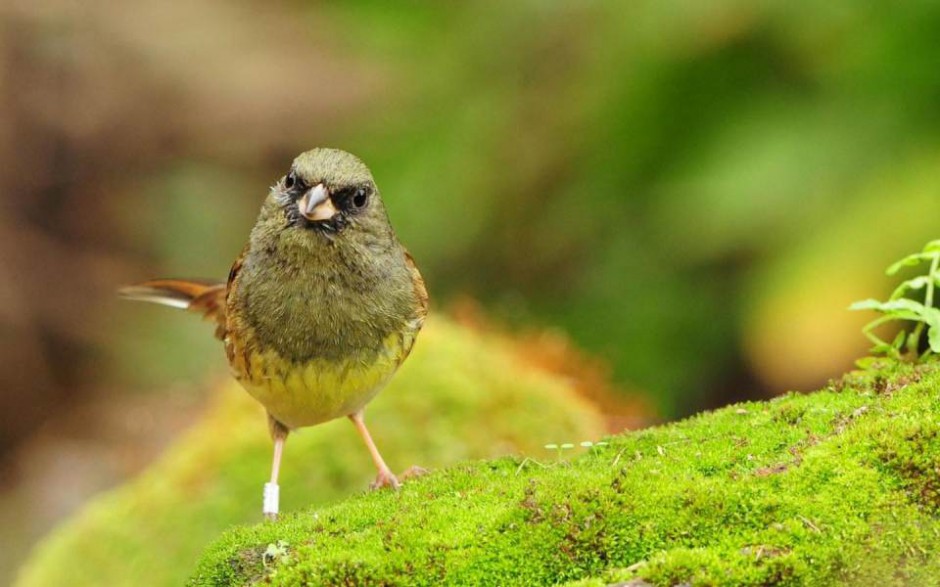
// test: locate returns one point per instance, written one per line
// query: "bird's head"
(327, 193)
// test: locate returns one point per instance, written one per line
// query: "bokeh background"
(691, 193)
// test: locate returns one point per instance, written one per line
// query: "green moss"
(460, 396)
(837, 487)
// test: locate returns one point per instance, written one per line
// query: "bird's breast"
(329, 307)
(319, 389)
(316, 338)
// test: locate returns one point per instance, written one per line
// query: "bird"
(319, 310)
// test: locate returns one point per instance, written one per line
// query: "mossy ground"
(461, 395)
(838, 487)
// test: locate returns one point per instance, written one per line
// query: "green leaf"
(905, 305)
(882, 349)
(869, 304)
(908, 261)
(931, 316)
(932, 247)
(933, 338)
(899, 340)
(911, 284)
(867, 363)
(902, 309)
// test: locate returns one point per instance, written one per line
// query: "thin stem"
(914, 341)
(934, 265)
(869, 333)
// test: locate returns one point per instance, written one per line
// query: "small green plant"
(277, 552)
(901, 307)
(560, 448)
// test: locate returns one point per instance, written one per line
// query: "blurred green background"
(692, 192)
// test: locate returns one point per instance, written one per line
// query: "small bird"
(319, 310)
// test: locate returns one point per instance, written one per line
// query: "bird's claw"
(385, 478)
(413, 472)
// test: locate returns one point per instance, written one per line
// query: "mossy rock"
(838, 487)
(462, 395)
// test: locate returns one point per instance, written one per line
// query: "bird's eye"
(360, 199)
(290, 181)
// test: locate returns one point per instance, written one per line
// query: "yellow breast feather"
(319, 390)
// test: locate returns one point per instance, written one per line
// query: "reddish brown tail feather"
(196, 295)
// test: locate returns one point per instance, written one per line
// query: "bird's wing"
(421, 311)
(196, 295)
(421, 291)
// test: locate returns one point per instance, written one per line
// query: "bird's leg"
(271, 489)
(385, 478)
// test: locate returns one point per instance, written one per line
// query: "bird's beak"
(316, 205)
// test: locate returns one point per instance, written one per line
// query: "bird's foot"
(385, 478)
(413, 472)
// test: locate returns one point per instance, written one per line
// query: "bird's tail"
(198, 295)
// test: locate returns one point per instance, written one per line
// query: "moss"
(462, 395)
(836, 487)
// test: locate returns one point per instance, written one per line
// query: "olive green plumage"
(321, 307)
(319, 292)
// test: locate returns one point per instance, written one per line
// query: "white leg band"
(271, 498)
